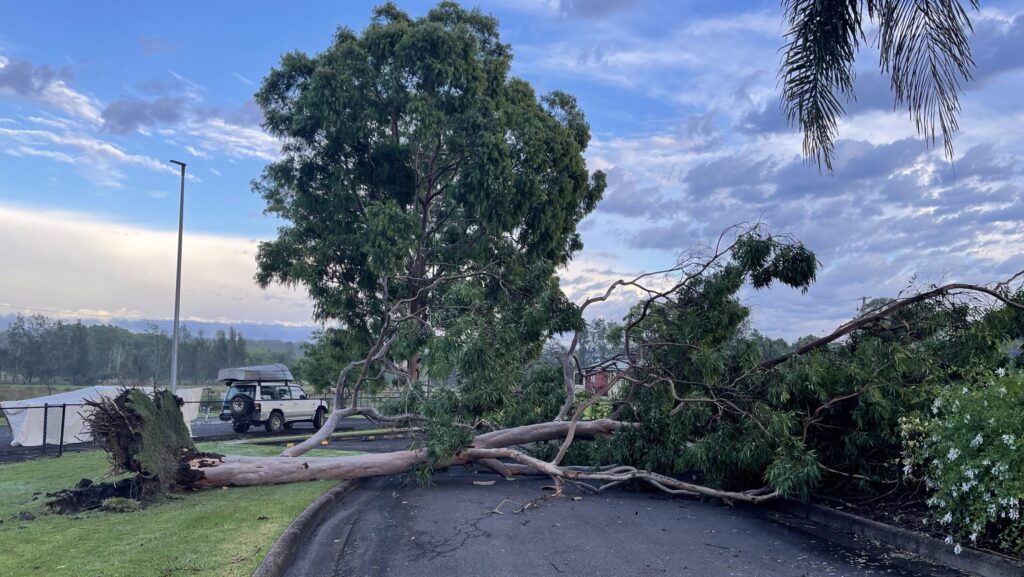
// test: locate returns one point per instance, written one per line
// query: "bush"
(969, 454)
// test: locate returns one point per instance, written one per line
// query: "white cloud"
(51, 154)
(217, 136)
(696, 63)
(41, 85)
(99, 161)
(196, 152)
(72, 261)
(60, 95)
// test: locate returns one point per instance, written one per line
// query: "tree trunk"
(148, 437)
(241, 471)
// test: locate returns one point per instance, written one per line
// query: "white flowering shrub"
(969, 452)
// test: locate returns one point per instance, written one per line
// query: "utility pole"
(177, 283)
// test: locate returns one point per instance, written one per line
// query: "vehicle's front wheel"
(275, 424)
(319, 418)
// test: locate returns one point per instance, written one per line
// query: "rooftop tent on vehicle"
(259, 373)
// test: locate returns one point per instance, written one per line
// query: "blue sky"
(682, 101)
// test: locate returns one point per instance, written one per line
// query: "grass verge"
(214, 532)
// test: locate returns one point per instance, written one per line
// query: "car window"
(297, 392)
(235, 390)
(267, 393)
(283, 393)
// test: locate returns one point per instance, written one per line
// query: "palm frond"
(817, 69)
(925, 49)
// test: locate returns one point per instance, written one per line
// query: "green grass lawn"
(213, 532)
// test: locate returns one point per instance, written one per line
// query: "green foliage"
(445, 435)
(793, 471)
(40, 349)
(968, 450)
(766, 260)
(323, 358)
(409, 152)
(420, 180)
(826, 421)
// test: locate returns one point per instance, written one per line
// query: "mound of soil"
(86, 495)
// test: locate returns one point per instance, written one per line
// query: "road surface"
(456, 528)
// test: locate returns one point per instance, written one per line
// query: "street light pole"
(177, 282)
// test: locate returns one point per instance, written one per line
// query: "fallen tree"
(139, 433)
(429, 200)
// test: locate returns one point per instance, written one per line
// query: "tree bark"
(242, 471)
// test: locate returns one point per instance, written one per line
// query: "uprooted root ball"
(142, 435)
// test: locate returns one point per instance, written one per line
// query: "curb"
(970, 560)
(282, 551)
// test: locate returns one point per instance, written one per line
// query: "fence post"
(46, 416)
(63, 413)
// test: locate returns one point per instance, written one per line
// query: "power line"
(127, 318)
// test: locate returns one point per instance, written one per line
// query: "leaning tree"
(428, 199)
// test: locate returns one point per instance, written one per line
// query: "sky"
(682, 99)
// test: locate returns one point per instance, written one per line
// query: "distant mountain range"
(252, 332)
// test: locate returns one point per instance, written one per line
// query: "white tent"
(26, 417)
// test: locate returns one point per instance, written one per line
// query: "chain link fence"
(49, 429)
(53, 428)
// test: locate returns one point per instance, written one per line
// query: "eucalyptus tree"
(421, 182)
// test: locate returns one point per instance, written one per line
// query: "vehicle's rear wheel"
(275, 424)
(319, 418)
(241, 407)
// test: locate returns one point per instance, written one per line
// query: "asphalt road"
(453, 528)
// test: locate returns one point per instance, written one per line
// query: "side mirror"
(303, 397)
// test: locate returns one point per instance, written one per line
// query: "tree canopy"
(419, 179)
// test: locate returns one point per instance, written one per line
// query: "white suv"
(266, 395)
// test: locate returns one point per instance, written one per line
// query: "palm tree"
(923, 46)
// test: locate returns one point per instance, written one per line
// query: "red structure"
(599, 378)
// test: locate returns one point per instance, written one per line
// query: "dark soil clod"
(92, 495)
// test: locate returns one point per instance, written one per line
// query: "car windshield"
(236, 390)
